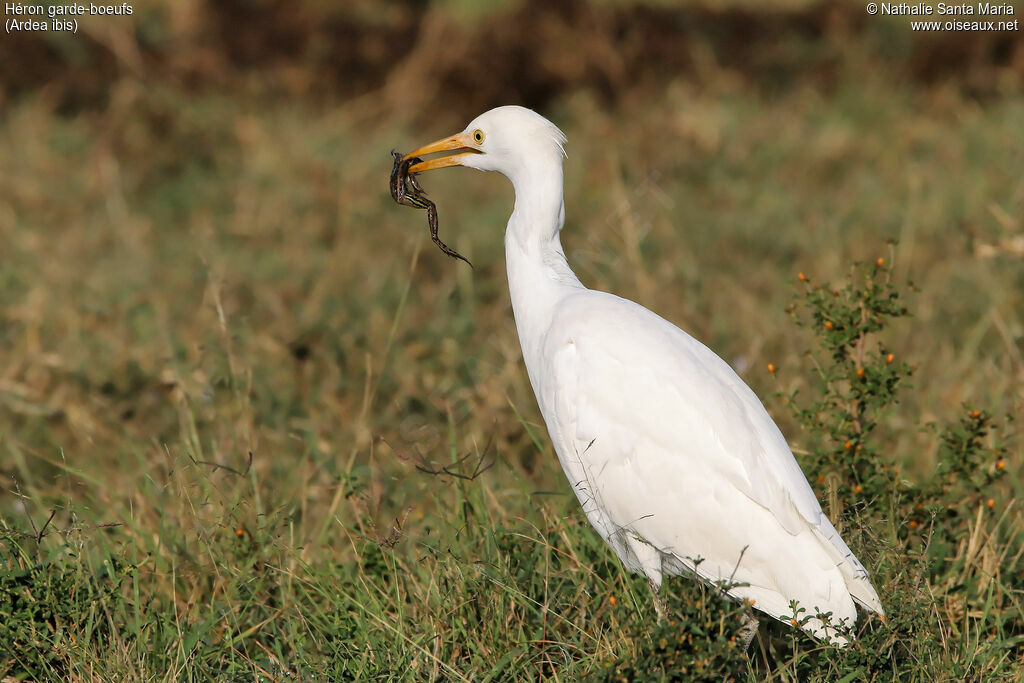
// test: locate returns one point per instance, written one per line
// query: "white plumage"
(670, 453)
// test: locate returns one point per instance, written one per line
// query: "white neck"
(538, 274)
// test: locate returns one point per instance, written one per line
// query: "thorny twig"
(482, 464)
(218, 466)
(406, 190)
(41, 534)
(38, 534)
(395, 533)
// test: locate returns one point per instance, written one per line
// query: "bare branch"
(218, 466)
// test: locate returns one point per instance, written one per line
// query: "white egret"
(677, 464)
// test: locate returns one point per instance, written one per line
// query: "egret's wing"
(636, 371)
(634, 397)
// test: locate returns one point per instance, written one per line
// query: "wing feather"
(673, 385)
(650, 425)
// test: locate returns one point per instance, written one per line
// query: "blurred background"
(201, 267)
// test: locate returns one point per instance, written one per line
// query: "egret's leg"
(748, 630)
(660, 604)
(647, 557)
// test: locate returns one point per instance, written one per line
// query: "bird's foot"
(660, 604)
(748, 630)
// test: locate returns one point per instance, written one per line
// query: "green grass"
(227, 276)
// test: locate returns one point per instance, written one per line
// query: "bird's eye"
(478, 136)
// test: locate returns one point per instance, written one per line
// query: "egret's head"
(508, 140)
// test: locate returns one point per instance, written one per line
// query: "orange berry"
(801, 277)
(829, 325)
(975, 414)
(771, 368)
(821, 478)
(860, 372)
(1000, 464)
(239, 532)
(890, 358)
(913, 524)
(991, 502)
(612, 601)
(879, 261)
(847, 446)
(857, 488)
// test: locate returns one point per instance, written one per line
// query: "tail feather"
(863, 593)
(857, 580)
